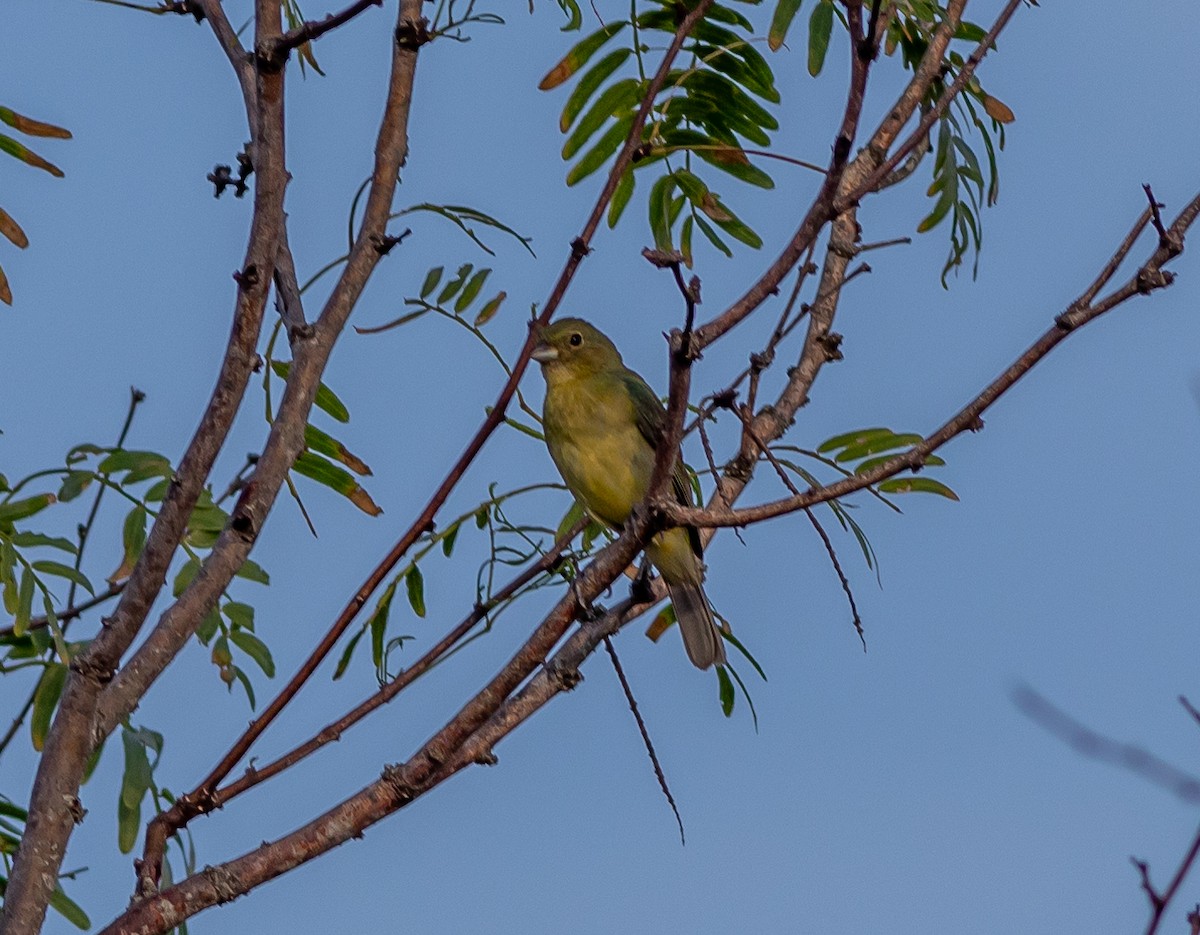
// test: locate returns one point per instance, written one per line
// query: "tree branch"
(1149, 277)
(424, 521)
(54, 804)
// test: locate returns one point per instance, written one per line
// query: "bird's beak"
(543, 353)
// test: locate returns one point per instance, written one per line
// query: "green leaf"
(133, 540)
(326, 472)
(618, 98)
(471, 290)
(184, 576)
(785, 12)
(61, 903)
(239, 614)
(135, 782)
(940, 209)
(713, 237)
(736, 229)
(589, 84)
(726, 692)
(917, 485)
(432, 278)
(851, 438)
(579, 55)
(322, 443)
(252, 571)
(488, 312)
(449, 290)
(378, 623)
(599, 154)
(65, 571)
(75, 483)
(23, 509)
(448, 538)
(29, 540)
(247, 686)
(208, 626)
(875, 445)
(820, 29)
(344, 661)
(24, 609)
(256, 649)
(144, 461)
(45, 700)
(660, 215)
(414, 581)
(620, 197)
(326, 399)
(570, 518)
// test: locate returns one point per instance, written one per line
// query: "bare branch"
(1149, 277)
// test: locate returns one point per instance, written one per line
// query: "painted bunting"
(602, 424)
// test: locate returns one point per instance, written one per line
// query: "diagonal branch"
(424, 521)
(54, 804)
(1149, 277)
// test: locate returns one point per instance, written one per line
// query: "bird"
(602, 425)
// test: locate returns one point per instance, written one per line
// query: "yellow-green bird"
(602, 424)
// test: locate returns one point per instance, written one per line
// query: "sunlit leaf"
(255, 648)
(414, 581)
(45, 700)
(917, 485)
(579, 55)
(785, 12)
(820, 29)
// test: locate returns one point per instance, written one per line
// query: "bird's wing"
(651, 420)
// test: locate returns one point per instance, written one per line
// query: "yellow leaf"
(662, 622)
(361, 499)
(998, 110)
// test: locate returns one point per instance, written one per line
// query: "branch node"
(88, 669)
(222, 175)
(75, 807)
(486, 758)
(579, 248)
(412, 34)
(247, 278)
(563, 677)
(662, 259)
(383, 243)
(831, 344)
(1150, 279)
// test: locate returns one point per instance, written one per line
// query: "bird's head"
(572, 346)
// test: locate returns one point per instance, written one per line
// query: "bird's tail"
(701, 638)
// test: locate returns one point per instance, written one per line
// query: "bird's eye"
(576, 339)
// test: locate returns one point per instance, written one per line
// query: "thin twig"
(637, 716)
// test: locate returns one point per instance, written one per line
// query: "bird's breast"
(595, 442)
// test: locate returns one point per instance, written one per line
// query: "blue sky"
(895, 791)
